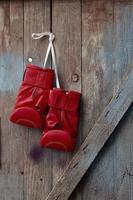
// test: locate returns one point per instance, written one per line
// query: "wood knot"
(75, 77)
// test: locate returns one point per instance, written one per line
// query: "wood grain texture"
(116, 183)
(97, 49)
(102, 180)
(123, 59)
(66, 25)
(123, 161)
(11, 69)
(93, 143)
(97, 62)
(38, 176)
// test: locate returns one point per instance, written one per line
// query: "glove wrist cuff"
(64, 100)
(39, 77)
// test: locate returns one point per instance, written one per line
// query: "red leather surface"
(62, 120)
(32, 99)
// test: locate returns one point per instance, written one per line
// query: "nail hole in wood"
(41, 179)
(22, 173)
(118, 96)
(75, 165)
(57, 197)
(110, 14)
(85, 147)
(107, 113)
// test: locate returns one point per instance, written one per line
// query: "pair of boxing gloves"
(39, 105)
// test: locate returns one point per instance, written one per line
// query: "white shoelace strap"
(37, 36)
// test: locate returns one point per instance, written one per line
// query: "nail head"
(30, 59)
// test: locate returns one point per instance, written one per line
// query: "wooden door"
(94, 49)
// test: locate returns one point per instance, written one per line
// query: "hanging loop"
(37, 36)
(50, 48)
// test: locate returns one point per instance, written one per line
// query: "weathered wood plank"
(11, 69)
(97, 47)
(102, 75)
(97, 84)
(123, 158)
(115, 183)
(123, 42)
(95, 140)
(66, 25)
(103, 181)
(38, 176)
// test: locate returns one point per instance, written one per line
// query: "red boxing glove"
(62, 120)
(32, 99)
